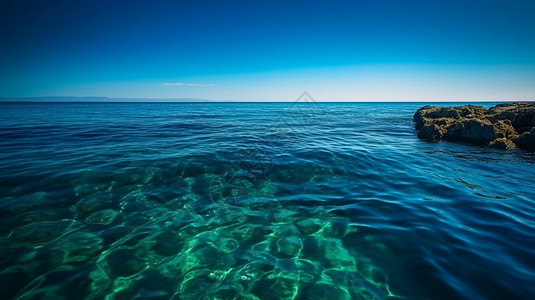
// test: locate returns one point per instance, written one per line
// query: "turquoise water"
(256, 201)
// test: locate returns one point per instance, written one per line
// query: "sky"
(371, 50)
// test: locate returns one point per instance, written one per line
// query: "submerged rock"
(230, 291)
(196, 283)
(167, 243)
(308, 226)
(502, 126)
(285, 287)
(124, 263)
(326, 291)
(38, 233)
(102, 217)
(289, 246)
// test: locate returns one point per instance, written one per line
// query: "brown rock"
(527, 139)
(474, 131)
(502, 126)
(505, 129)
(431, 132)
(502, 143)
(521, 115)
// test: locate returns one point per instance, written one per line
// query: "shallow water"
(256, 201)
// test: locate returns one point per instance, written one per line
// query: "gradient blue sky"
(269, 50)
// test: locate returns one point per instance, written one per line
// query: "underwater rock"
(307, 271)
(92, 204)
(79, 246)
(503, 126)
(335, 276)
(228, 245)
(308, 226)
(227, 292)
(206, 253)
(337, 255)
(124, 263)
(243, 232)
(192, 230)
(289, 246)
(262, 289)
(177, 266)
(195, 284)
(251, 272)
(152, 285)
(167, 243)
(102, 217)
(322, 291)
(49, 214)
(336, 228)
(47, 259)
(63, 284)
(285, 287)
(38, 233)
(311, 247)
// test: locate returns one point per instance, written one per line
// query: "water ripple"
(259, 201)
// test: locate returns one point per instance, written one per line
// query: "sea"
(287, 200)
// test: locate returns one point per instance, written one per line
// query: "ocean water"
(256, 201)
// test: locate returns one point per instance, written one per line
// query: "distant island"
(98, 99)
(502, 126)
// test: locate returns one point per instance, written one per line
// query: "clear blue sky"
(269, 50)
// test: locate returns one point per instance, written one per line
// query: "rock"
(474, 131)
(503, 126)
(38, 233)
(229, 292)
(228, 245)
(289, 247)
(527, 139)
(195, 284)
(285, 288)
(431, 132)
(124, 263)
(326, 291)
(308, 226)
(167, 243)
(206, 254)
(521, 115)
(502, 143)
(102, 217)
(336, 228)
(79, 246)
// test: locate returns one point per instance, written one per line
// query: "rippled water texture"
(256, 201)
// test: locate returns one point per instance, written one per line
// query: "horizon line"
(101, 99)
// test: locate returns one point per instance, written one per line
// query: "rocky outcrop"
(503, 126)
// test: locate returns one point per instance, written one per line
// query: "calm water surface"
(256, 201)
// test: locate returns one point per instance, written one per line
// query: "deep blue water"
(256, 201)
